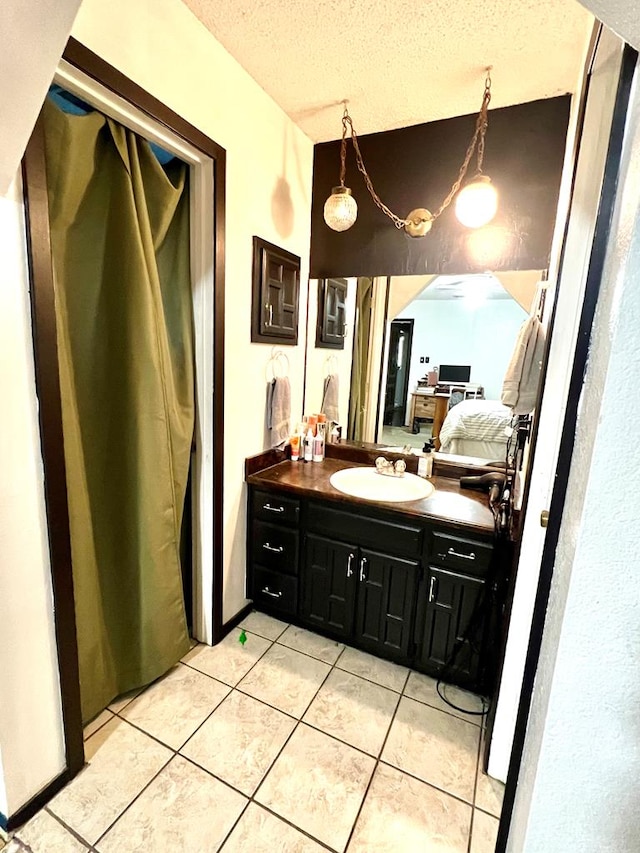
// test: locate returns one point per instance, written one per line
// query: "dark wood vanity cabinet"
(409, 590)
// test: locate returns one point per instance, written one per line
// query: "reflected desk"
(431, 407)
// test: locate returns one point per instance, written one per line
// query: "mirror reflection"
(419, 358)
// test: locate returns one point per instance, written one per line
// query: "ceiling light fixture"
(476, 204)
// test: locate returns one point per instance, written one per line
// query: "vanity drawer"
(274, 591)
(425, 407)
(275, 547)
(401, 540)
(272, 507)
(469, 555)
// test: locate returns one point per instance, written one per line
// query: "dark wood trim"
(48, 384)
(94, 66)
(34, 805)
(567, 440)
(240, 616)
(45, 349)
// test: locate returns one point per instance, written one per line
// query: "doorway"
(399, 360)
(94, 81)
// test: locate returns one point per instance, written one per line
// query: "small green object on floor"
(242, 639)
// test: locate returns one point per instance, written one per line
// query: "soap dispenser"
(425, 461)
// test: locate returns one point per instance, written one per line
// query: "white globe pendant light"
(340, 209)
(477, 203)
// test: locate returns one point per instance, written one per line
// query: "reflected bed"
(476, 428)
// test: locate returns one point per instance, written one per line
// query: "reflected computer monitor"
(449, 374)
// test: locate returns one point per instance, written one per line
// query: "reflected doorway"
(399, 360)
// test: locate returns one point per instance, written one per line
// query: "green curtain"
(120, 246)
(357, 397)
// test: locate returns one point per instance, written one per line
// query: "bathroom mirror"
(397, 330)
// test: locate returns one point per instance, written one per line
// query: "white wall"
(33, 37)
(449, 331)
(584, 208)
(322, 361)
(31, 740)
(161, 46)
(578, 785)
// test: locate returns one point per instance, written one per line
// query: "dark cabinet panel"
(403, 539)
(331, 328)
(276, 508)
(385, 604)
(451, 621)
(273, 591)
(329, 584)
(275, 547)
(276, 285)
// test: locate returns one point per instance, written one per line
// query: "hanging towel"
(520, 387)
(330, 394)
(278, 409)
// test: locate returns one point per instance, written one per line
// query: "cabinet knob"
(544, 518)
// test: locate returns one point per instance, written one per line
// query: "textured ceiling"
(481, 286)
(398, 62)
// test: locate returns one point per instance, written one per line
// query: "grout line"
(375, 768)
(298, 721)
(69, 829)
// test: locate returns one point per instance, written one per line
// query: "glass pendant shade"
(340, 209)
(477, 203)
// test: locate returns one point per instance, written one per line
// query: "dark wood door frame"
(48, 389)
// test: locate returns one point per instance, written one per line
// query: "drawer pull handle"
(267, 591)
(432, 589)
(273, 508)
(350, 565)
(277, 550)
(453, 553)
(363, 566)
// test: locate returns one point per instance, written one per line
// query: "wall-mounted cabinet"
(276, 294)
(331, 327)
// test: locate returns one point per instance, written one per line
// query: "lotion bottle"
(308, 446)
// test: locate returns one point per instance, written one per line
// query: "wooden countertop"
(464, 508)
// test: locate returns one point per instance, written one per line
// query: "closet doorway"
(95, 82)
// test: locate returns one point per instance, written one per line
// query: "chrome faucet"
(389, 468)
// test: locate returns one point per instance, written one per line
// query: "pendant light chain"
(477, 142)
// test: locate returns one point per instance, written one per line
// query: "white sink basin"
(368, 484)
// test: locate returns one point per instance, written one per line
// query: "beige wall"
(161, 46)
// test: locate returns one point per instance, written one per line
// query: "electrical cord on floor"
(483, 604)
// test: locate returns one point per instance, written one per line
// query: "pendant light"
(476, 204)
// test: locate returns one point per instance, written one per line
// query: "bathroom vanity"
(412, 582)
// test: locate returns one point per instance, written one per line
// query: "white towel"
(520, 387)
(330, 396)
(278, 409)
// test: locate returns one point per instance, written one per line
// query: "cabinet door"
(451, 619)
(331, 329)
(385, 604)
(329, 581)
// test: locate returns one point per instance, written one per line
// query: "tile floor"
(291, 743)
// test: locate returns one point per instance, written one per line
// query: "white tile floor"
(289, 743)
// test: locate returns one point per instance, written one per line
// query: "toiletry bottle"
(308, 446)
(295, 447)
(428, 451)
(318, 444)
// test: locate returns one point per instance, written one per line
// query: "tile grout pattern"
(299, 723)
